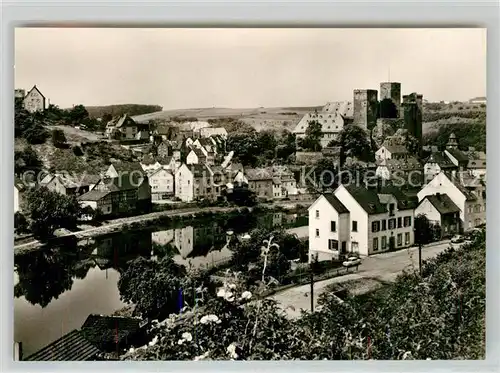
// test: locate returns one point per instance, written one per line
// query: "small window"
(354, 226)
(384, 242)
(407, 238)
(384, 225)
(317, 232)
(375, 244)
(400, 239)
(333, 226)
(400, 222)
(317, 214)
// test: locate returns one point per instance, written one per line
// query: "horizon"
(245, 68)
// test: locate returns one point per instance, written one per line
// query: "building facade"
(34, 100)
(390, 92)
(365, 108)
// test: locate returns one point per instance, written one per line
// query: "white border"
(256, 13)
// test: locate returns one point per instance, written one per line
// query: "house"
(456, 156)
(196, 156)
(391, 151)
(332, 118)
(162, 184)
(278, 191)
(70, 347)
(436, 163)
(440, 210)
(468, 193)
(195, 182)
(329, 228)
(228, 160)
(260, 181)
(120, 168)
(240, 178)
(380, 219)
(407, 170)
(100, 201)
(34, 100)
(69, 185)
(206, 143)
(122, 128)
(477, 162)
(213, 131)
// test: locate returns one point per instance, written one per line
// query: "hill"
(118, 110)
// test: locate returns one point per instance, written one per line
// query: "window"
(392, 223)
(407, 238)
(333, 245)
(317, 232)
(384, 242)
(384, 225)
(400, 239)
(375, 226)
(333, 226)
(354, 226)
(189, 182)
(375, 244)
(317, 214)
(400, 222)
(407, 221)
(391, 209)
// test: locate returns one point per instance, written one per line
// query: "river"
(57, 288)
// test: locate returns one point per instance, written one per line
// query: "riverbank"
(137, 222)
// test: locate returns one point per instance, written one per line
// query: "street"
(377, 268)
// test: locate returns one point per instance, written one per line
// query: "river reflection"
(58, 287)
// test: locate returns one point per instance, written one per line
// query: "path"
(381, 267)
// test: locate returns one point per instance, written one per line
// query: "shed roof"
(70, 347)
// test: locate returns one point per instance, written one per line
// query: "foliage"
(312, 141)
(287, 146)
(355, 143)
(387, 109)
(242, 196)
(440, 315)
(26, 160)
(21, 224)
(119, 110)
(231, 125)
(50, 210)
(468, 134)
(58, 138)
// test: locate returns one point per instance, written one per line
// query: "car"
(352, 262)
(457, 239)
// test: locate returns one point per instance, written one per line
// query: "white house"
(162, 184)
(391, 151)
(34, 100)
(440, 210)
(148, 167)
(379, 219)
(213, 131)
(162, 237)
(328, 228)
(184, 184)
(467, 193)
(196, 156)
(240, 178)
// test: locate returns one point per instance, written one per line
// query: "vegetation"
(58, 138)
(49, 211)
(439, 315)
(26, 160)
(468, 134)
(119, 110)
(355, 143)
(312, 141)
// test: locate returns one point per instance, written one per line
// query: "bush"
(58, 138)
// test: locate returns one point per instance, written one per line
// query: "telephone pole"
(312, 291)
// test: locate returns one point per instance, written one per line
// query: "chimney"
(438, 195)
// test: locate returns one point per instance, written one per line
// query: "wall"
(392, 91)
(327, 214)
(357, 213)
(426, 208)
(184, 184)
(431, 170)
(192, 158)
(162, 182)
(390, 233)
(34, 101)
(365, 108)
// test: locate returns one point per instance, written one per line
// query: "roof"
(200, 170)
(441, 159)
(404, 202)
(276, 181)
(93, 195)
(443, 203)
(257, 174)
(367, 199)
(476, 163)
(100, 329)
(344, 108)
(122, 183)
(71, 347)
(395, 148)
(127, 166)
(124, 119)
(468, 195)
(459, 155)
(335, 203)
(204, 141)
(199, 153)
(410, 163)
(36, 89)
(164, 160)
(331, 121)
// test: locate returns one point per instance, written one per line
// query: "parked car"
(457, 239)
(352, 262)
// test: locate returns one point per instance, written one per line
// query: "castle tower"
(412, 114)
(390, 100)
(452, 142)
(365, 108)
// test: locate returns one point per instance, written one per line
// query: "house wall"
(184, 184)
(388, 233)
(319, 245)
(383, 172)
(358, 214)
(184, 241)
(55, 185)
(144, 190)
(192, 158)
(277, 191)
(162, 184)
(34, 101)
(431, 170)
(426, 208)
(261, 188)
(383, 153)
(162, 237)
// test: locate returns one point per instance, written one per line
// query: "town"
(277, 228)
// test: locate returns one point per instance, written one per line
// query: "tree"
(77, 115)
(355, 142)
(312, 141)
(20, 223)
(58, 138)
(241, 196)
(26, 160)
(287, 146)
(35, 133)
(50, 210)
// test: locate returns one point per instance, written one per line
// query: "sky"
(245, 68)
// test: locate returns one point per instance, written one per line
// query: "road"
(381, 268)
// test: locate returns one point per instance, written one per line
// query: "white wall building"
(162, 184)
(184, 184)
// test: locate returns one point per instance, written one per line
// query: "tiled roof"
(395, 148)
(127, 166)
(93, 195)
(198, 152)
(123, 182)
(367, 199)
(441, 159)
(459, 155)
(336, 204)
(443, 203)
(104, 330)
(258, 174)
(410, 163)
(71, 347)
